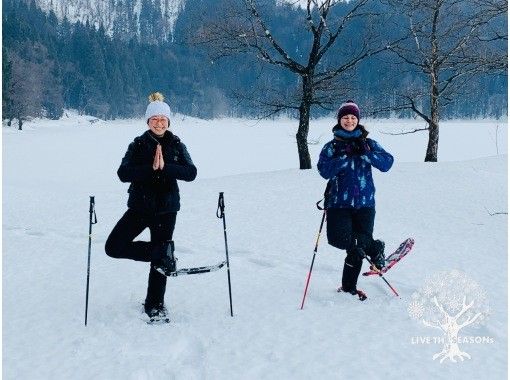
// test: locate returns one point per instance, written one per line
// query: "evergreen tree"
(78, 66)
(7, 107)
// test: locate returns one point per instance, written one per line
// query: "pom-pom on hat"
(157, 106)
(348, 108)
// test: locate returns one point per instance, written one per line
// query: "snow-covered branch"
(405, 132)
(495, 212)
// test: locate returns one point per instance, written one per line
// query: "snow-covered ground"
(51, 168)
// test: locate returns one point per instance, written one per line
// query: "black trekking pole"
(92, 212)
(381, 275)
(220, 213)
(314, 253)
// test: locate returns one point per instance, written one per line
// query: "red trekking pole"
(314, 253)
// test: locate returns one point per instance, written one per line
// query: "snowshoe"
(157, 314)
(403, 249)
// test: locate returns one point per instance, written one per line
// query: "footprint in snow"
(262, 263)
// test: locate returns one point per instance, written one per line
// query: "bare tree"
(332, 52)
(31, 87)
(448, 42)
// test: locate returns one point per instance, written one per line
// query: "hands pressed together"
(159, 162)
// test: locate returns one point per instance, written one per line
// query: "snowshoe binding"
(167, 264)
(377, 255)
(157, 314)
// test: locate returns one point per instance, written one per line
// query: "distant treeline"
(50, 65)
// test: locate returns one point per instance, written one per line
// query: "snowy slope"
(51, 168)
(105, 12)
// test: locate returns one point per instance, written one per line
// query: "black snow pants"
(349, 228)
(120, 245)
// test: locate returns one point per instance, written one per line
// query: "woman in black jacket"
(152, 164)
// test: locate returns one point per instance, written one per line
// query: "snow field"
(51, 168)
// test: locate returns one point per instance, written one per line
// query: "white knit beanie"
(157, 106)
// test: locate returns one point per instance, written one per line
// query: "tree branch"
(495, 213)
(290, 63)
(405, 133)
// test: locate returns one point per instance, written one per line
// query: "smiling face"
(158, 124)
(349, 122)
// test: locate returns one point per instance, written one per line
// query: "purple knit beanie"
(348, 108)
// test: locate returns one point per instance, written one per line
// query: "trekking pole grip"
(220, 212)
(92, 209)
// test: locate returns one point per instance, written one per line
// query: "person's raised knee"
(338, 242)
(111, 250)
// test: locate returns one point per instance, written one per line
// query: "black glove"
(351, 148)
(337, 149)
(356, 148)
(362, 146)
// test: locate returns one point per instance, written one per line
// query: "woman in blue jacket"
(346, 162)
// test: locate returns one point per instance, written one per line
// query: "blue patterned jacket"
(350, 176)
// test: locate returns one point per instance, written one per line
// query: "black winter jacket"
(155, 191)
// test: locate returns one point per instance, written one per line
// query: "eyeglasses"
(158, 119)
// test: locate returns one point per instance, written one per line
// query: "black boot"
(352, 268)
(376, 254)
(156, 286)
(166, 263)
(360, 293)
(156, 312)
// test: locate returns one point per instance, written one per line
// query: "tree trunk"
(304, 124)
(433, 144)
(20, 123)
